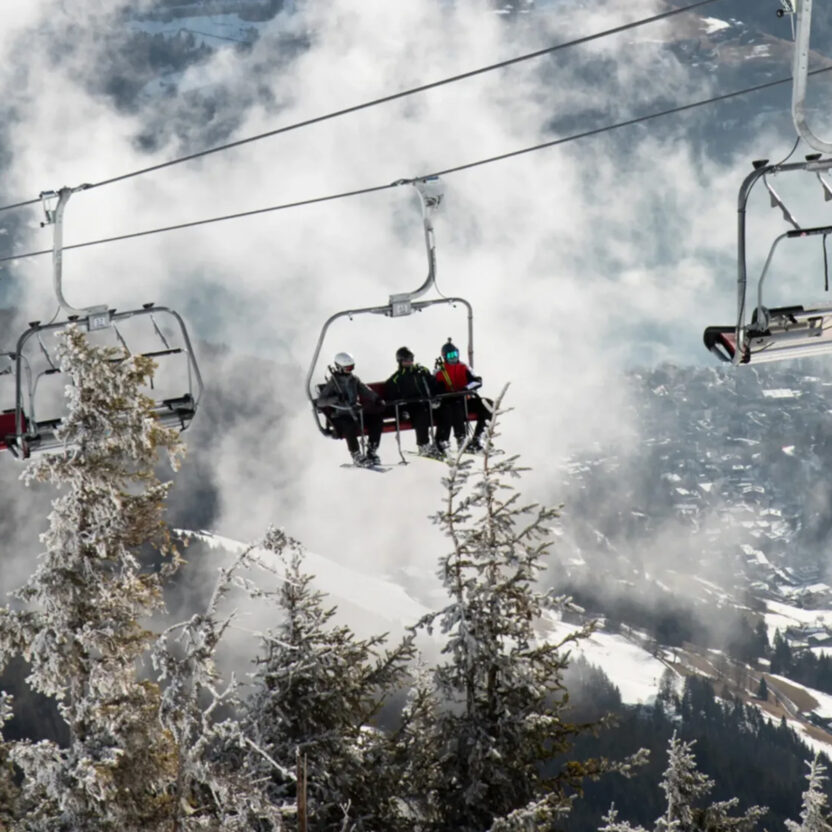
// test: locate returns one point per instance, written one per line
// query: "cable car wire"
(385, 99)
(456, 169)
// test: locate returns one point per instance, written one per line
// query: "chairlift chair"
(793, 331)
(27, 430)
(399, 305)
(772, 334)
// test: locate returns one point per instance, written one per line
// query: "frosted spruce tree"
(814, 814)
(81, 620)
(80, 627)
(317, 690)
(684, 786)
(501, 685)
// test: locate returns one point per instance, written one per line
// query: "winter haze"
(583, 262)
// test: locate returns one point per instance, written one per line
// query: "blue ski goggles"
(453, 355)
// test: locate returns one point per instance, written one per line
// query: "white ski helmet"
(344, 362)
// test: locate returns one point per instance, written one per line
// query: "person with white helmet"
(353, 403)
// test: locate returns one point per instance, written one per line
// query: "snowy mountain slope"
(370, 604)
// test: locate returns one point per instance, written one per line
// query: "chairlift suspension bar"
(800, 74)
(429, 202)
(96, 317)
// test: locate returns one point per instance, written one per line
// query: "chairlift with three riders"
(175, 390)
(395, 418)
(794, 331)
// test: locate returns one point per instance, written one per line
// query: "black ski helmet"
(450, 352)
(403, 354)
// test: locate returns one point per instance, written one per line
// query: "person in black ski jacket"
(351, 401)
(417, 386)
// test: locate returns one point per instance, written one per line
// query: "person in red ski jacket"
(456, 377)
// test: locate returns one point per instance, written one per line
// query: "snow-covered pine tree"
(502, 685)
(684, 785)
(814, 816)
(80, 626)
(317, 689)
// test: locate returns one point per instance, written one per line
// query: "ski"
(379, 469)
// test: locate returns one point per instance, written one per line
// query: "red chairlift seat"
(390, 422)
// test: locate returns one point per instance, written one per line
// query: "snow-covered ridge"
(382, 600)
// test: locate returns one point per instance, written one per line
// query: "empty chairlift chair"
(782, 332)
(157, 332)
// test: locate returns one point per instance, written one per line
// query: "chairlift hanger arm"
(430, 198)
(800, 77)
(54, 205)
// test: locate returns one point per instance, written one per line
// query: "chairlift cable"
(387, 98)
(467, 166)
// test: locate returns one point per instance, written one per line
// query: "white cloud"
(579, 260)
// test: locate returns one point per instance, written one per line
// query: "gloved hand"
(435, 405)
(474, 385)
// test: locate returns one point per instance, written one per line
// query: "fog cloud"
(580, 261)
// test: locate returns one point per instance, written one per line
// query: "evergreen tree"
(317, 690)
(81, 620)
(814, 816)
(80, 630)
(762, 689)
(763, 648)
(501, 686)
(683, 785)
(781, 659)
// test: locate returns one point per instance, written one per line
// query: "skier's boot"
(359, 459)
(474, 445)
(372, 454)
(430, 449)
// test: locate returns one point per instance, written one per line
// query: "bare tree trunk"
(301, 799)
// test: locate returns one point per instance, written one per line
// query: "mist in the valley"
(582, 262)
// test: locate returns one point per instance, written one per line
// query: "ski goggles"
(453, 355)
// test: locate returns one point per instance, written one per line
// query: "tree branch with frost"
(192, 696)
(814, 815)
